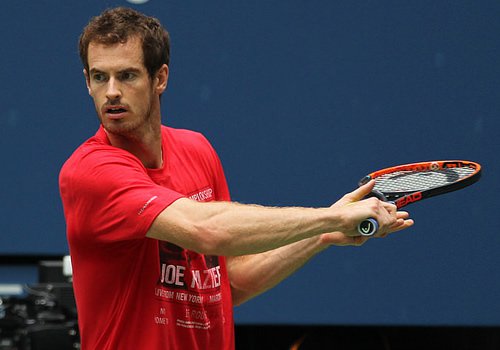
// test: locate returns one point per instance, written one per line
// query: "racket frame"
(402, 199)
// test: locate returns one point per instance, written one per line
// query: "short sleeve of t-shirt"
(111, 198)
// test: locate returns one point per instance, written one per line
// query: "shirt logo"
(204, 195)
(146, 205)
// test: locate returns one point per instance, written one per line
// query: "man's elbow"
(199, 237)
(182, 225)
(241, 296)
(210, 241)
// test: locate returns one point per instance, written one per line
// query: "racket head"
(409, 183)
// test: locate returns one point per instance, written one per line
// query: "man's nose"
(113, 91)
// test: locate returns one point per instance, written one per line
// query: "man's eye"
(128, 76)
(98, 77)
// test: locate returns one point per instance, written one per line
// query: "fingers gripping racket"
(410, 183)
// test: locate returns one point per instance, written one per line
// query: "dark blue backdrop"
(300, 99)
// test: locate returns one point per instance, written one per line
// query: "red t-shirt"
(133, 292)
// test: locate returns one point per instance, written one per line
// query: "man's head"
(120, 24)
(125, 55)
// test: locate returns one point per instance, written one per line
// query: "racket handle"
(368, 227)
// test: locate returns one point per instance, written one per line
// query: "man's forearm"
(231, 229)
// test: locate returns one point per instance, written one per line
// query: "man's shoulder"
(184, 137)
(95, 151)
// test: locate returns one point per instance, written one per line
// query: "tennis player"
(160, 254)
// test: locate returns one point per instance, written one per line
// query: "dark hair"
(118, 25)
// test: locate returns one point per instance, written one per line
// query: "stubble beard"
(130, 129)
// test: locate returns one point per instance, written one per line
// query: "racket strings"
(412, 181)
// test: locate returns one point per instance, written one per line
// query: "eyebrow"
(93, 70)
(130, 69)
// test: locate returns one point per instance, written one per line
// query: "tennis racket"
(410, 183)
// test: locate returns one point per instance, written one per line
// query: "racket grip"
(368, 227)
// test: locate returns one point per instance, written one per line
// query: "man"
(160, 255)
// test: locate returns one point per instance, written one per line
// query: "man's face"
(124, 95)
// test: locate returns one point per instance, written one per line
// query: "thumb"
(361, 192)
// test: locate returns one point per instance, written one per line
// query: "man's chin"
(118, 128)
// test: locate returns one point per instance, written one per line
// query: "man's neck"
(146, 146)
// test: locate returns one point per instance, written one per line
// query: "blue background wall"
(301, 99)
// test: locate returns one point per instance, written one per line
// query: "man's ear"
(161, 79)
(87, 80)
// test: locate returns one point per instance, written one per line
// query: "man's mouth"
(115, 111)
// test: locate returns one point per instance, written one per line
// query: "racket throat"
(408, 199)
(377, 194)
